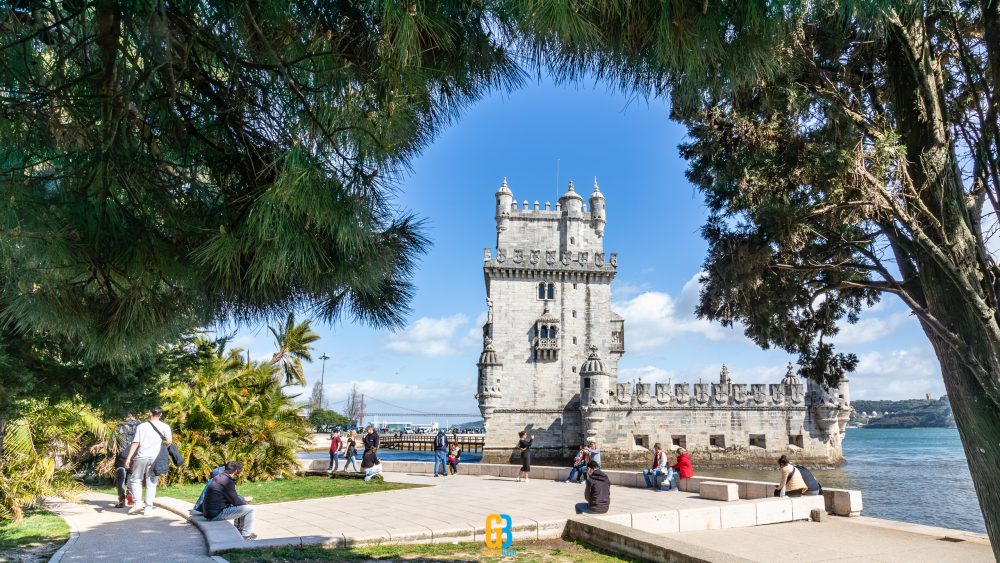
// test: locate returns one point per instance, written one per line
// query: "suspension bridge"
(372, 408)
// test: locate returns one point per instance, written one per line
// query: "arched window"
(552, 332)
(545, 332)
(552, 291)
(541, 290)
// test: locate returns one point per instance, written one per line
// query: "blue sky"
(654, 217)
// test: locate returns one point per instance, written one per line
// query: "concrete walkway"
(841, 540)
(106, 533)
(455, 509)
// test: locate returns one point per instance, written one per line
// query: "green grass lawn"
(36, 538)
(542, 551)
(265, 492)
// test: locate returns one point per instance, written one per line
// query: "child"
(454, 455)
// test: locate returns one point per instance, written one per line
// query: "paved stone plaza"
(455, 509)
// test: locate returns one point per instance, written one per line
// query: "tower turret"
(594, 390)
(597, 214)
(572, 203)
(490, 391)
(504, 200)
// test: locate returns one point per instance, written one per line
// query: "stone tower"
(548, 293)
(549, 365)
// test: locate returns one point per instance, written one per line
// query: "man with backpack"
(796, 480)
(440, 453)
(124, 434)
(142, 454)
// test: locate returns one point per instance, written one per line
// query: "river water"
(915, 475)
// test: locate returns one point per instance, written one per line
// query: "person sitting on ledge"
(681, 470)
(371, 464)
(657, 467)
(223, 503)
(579, 468)
(597, 492)
(795, 480)
(593, 453)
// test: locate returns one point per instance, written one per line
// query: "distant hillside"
(911, 413)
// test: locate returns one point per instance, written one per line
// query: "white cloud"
(648, 374)
(429, 336)
(868, 330)
(897, 374)
(654, 318)
(623, 289)
(474, 337)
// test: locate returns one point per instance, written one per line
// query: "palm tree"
(294, 345)
(40, 451)
(226, 409)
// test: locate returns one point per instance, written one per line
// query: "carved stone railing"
(710, 395)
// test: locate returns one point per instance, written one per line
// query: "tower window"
(541, 290)
(545, 332)
(758, 441)
(552, 332)
(574, 340)
(574, 369)
(717, 441)
(574, 314)
(586, 383)
(679, 440)
(552, 291)
(572, 240)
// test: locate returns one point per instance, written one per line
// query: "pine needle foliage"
(227, 409)
(164, 165)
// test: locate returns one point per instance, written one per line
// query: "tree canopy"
(168, 164)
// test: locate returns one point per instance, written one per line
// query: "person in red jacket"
(682, 469)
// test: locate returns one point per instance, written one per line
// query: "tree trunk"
(978, 421)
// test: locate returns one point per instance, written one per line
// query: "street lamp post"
(322, 380)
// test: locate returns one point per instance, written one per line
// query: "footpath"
(100, 532)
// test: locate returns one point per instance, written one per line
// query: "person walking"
(352, 451)
(440, 453)
(524, 446)
(222, 502)
(124, 434)
(371, 464)
(335, 444)
(149, 436)
(657, 467)
(597, 492)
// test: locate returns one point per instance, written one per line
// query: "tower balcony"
(546, 348)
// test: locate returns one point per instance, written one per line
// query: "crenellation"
(551, 351)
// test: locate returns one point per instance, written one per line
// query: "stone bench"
(715, 490)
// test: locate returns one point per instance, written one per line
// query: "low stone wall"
(644, 545)
(842, 502)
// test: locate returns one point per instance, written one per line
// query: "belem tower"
(549, 365)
